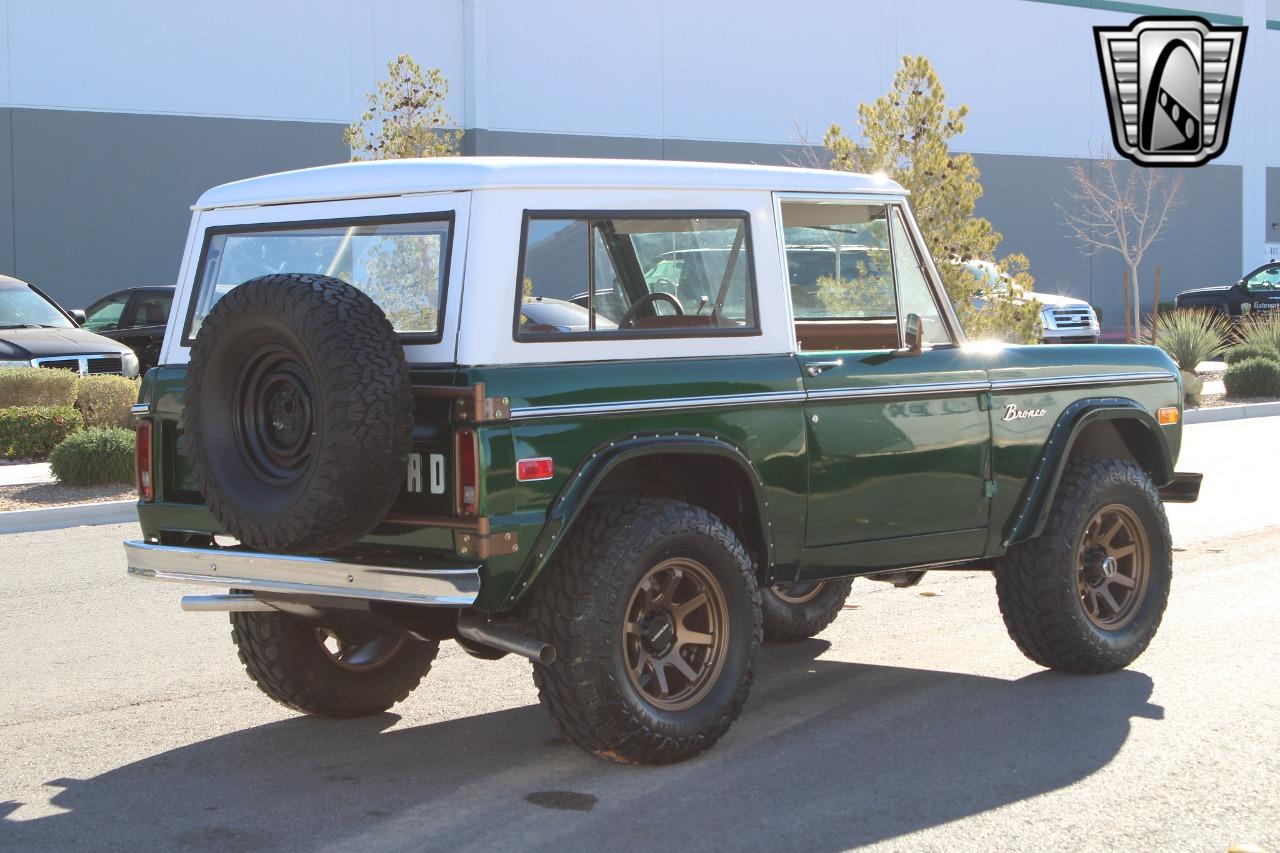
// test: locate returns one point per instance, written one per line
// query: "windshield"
(23, 308)
(1267, 278)
(399, 265)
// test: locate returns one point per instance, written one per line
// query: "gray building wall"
(91, 202)
(1200, 245)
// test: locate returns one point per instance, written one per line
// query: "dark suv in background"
(135, 317)
(1256, 292)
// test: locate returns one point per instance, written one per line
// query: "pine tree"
(406, 116)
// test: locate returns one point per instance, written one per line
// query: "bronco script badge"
(1013, 413)
(1170, 84)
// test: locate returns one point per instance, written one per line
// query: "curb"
(1231, 413)
(57, 517)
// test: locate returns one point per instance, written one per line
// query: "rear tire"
(654, 611)
(329, 673)
(799, 611)
(1088, 594)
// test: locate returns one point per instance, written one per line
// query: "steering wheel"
(629, 318)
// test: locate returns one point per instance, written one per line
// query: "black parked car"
(135, 317)
(37, 332)
(1256, 292)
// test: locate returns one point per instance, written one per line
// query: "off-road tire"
(284, 657)
(345, 449)
(1036, 582)
(786, 621)
(579, 605)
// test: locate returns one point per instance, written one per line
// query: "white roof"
(442, 174)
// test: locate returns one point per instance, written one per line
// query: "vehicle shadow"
(828, 755)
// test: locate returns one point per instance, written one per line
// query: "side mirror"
(77, 314)
(913, 335)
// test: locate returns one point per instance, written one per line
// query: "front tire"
(799, 611)
(329, 672)
(654, 611)
(1088, 594)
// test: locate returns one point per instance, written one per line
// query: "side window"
(104, 315)
(149, 309)
(840, 270)
(636, 274)
(914, 293)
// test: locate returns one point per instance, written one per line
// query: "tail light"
(146, 489)
(468, 492)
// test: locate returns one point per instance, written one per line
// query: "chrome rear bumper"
(290, 575)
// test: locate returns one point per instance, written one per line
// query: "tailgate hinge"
(482, 546)
(470, 405)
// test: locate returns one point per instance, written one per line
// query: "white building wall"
(729, 70)
(145, 103)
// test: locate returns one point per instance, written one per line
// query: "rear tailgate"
(431, 481)
(428, 491)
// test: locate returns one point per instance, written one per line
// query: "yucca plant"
(1192, 335)
(1261, 331)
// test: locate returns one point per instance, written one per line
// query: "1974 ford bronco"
(627, 419)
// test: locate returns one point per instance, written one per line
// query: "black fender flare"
(595, 468)
(1037, 497)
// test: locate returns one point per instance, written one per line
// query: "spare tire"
(299, 413)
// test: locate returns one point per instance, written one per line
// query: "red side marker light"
(540, 468)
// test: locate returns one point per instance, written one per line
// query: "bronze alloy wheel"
(359, 654)
(1113, 567)
(798, 593)
(676, 634)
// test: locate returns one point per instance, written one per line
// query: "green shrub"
(95, 457)
(32, 432)
(1253, 377)
(1192, 335)
(1241, 352)
(105, 400)
(1261, 330)
(36, 386)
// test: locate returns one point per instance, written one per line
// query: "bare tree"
(1120, 208)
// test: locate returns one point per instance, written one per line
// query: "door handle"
(813, 368)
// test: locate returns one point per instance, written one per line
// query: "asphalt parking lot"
(912, 723)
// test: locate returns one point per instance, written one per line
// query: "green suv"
(629, 420)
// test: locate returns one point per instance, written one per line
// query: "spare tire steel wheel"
(299, 413)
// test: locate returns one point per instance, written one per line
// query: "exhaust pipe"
(505, 639)
(234, 603)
